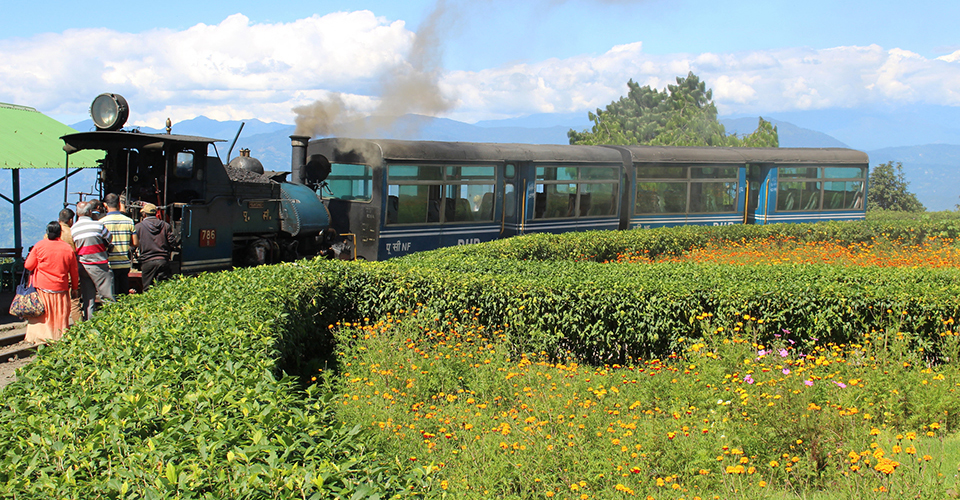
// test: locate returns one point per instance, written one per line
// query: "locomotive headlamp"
(109, 111)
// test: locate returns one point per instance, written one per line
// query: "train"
(375, 199)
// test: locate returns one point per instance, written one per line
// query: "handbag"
(26, 303)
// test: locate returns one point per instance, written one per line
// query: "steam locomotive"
(225, 215)
(377, 199)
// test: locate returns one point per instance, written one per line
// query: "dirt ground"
(8, 370)
(10, 325)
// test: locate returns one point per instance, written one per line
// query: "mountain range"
(931, 169)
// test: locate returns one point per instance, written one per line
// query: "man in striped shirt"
(124, 239)
(93, 243)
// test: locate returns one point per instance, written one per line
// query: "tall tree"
(887, 189)
(680, 115)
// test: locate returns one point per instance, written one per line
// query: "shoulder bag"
(26, 303)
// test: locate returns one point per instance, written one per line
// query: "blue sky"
(484, 59)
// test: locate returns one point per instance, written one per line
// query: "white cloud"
(213, 70)
(237, 70)
(752, 82)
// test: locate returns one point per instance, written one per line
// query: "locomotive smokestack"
(298, 158)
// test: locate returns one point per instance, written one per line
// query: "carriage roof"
(373, 150)
(714, 155)
(396, 150)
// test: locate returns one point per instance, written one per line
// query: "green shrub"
(181, 393)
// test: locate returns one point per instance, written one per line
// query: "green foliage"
(888, 189)
(179, 393)
(680, 115)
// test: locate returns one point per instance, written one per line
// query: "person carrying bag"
(56, 278)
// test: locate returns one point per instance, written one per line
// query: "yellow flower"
(886, 466)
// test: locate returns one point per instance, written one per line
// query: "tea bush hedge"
(605, 313)
(181, 393)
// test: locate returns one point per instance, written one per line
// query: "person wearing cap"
(156, 242)
(92, 239)
(124, 241)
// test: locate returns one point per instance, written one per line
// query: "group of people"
(91, 256)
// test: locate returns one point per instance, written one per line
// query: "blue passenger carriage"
(677, 186)
(400, 197)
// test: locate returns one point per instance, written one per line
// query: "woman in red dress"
(54, 274)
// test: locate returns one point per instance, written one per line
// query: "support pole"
(17, 236)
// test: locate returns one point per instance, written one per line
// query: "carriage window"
(661, 197)
(600, 173)
(557, 173)
(587, 191)
(713, 173)
(844, 173)
(842, 195)
(419, 194)
(468, 203)
(470, 173)
(509, 200)
(415, 204)
(598, 199)
(801, 189)
(798, 196)
(708, 189)
(350, 182)
(414, 173)
(713, 196)
(799, 173)
(646, 172)
(555, 201)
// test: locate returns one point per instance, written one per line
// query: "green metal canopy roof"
(30, 139)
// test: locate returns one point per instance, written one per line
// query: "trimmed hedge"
(606, 313)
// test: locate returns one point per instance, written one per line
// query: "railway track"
(13, 347)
